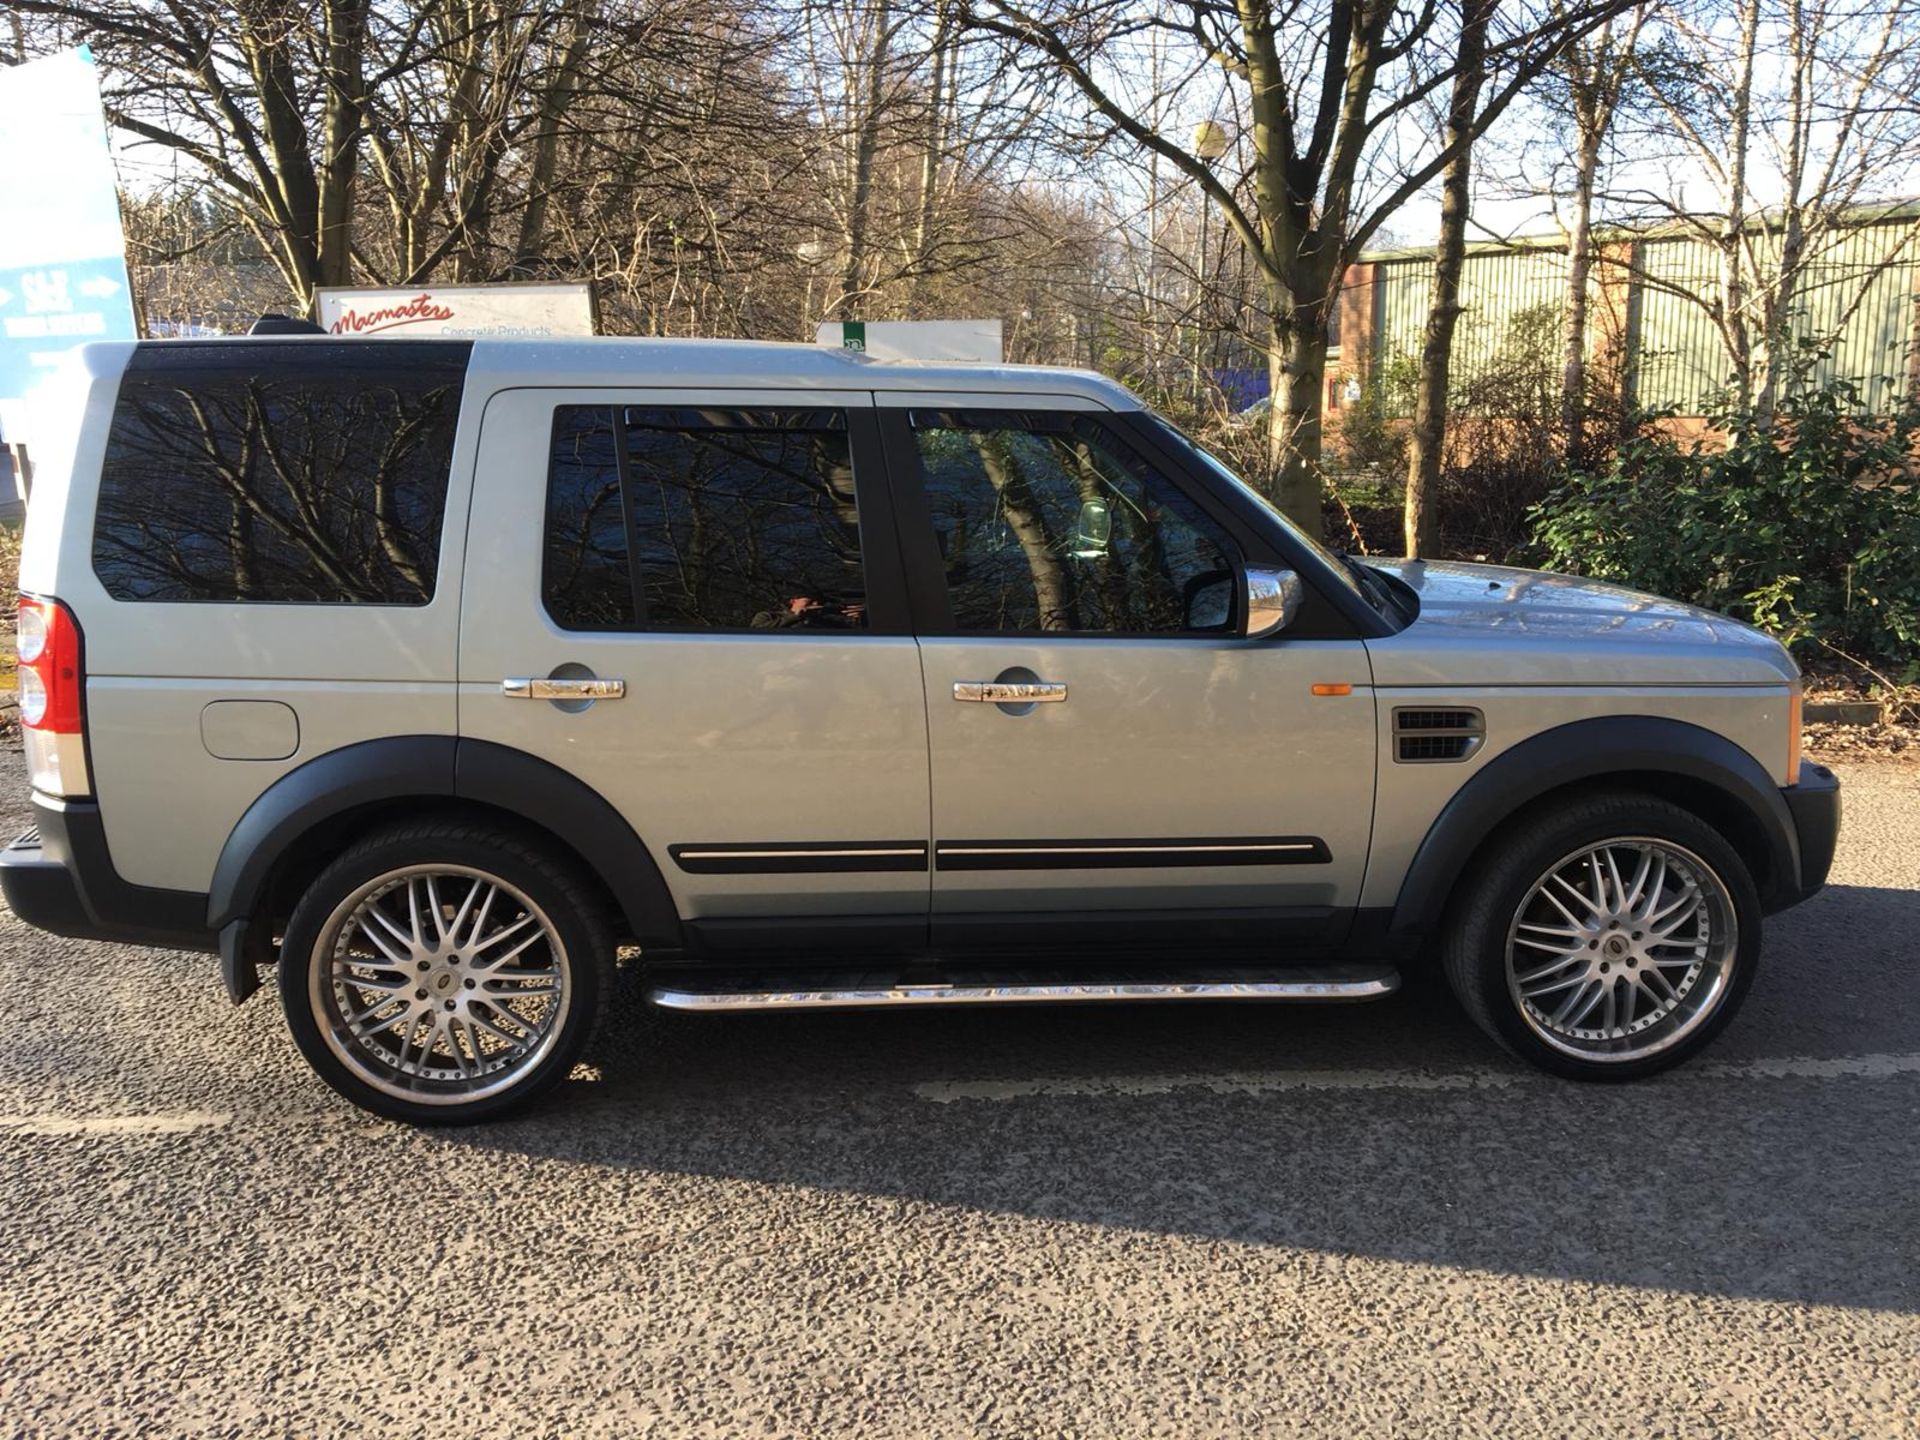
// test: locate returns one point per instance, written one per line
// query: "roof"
(628, 362)
(607, 360)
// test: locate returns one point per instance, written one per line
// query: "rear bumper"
(60, 878)
(1815, 806)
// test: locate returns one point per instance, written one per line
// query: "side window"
(1047, 522)
(310, 473)
(702, 519)
(585, 579)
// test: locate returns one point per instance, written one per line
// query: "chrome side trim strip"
(800, 858)
(1369, 986)
(1118, 849)
(690, 854)
(803, 857)
(1186, 850)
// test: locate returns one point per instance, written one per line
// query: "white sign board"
(472, 312)
(63, 269)
(966, 341)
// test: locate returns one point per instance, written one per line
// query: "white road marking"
(69, 1125)
(1268, 1082)
(1806, 1067)
(1230, 1082)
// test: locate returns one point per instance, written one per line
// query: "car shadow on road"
(1428, 1146)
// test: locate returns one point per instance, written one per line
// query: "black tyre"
(442, 973)
(1606, 940)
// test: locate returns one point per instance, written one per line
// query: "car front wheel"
(443, 973)
(1607, 940)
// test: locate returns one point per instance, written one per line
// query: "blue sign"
(63, 269)
(45, 310)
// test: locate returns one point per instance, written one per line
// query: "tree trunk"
(531, 243)
(1776, 347)
(1573, 376)
(1913, 349)
(1733, 238)
(863, 145)
(1597, 74)
(1297, 370)
(342, 128)
(933, 151)
(289, 168)
(1449, 257)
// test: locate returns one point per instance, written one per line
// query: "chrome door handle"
(527, 687)
(1002, 692)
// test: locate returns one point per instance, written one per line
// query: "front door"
(727, 561)
(1164, 778)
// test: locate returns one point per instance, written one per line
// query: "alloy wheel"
(1621, 949)
(440, 984)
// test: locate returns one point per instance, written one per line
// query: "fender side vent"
(1435, 737)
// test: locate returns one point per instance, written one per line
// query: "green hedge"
(1808, 527)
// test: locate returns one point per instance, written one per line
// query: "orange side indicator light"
(1333, 689)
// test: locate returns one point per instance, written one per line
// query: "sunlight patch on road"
(82, 1125)
(1269, 1082)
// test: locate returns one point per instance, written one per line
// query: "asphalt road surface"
(1225, 1221)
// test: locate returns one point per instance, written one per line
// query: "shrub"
(1809, 527)
(1504, 439)
(1505, 448)
(1369, 436)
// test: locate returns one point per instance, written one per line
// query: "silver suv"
(439, 675)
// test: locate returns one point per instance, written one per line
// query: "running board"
(1312, 985)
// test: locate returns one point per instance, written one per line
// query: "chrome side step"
(1344, 983)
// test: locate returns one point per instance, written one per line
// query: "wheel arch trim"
(439, 767)
(1585, 751)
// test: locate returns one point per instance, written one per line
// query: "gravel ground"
(1074, 1223)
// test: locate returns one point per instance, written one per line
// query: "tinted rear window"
(702, 519)
(309, 472)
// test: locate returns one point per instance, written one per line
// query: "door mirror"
(1093, 533)
(1209, 600)
(1273, 599)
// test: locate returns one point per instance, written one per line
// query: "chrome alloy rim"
(440, 984)
(1622, 949)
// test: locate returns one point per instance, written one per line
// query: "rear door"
(727, 562)
(1168, 779)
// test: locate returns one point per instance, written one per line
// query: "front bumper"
(59, 877)
(1815, 806)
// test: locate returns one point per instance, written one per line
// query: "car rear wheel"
(1607, 940)
(443, 973)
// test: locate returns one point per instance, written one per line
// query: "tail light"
(52, 686)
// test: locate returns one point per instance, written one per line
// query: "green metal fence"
(1856, 302)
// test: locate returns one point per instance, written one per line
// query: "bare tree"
(1436, 349)
(1590, 82)
(1800, 114)
(868, 70)
(1332, 89)
(264, 97)
(461, 121)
